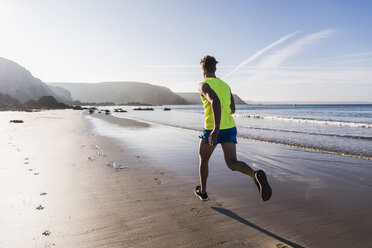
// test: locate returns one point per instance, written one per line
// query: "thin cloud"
(260, 52)
(277, 59)
(274, 61)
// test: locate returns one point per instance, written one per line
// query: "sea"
(329, 128)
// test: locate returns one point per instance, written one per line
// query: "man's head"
(208, 64)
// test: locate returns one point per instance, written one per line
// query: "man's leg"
(229, 151)
(205, 152)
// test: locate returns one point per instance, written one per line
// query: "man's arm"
(212, 97)
(232, 105)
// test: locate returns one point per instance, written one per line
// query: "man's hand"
(213, 137)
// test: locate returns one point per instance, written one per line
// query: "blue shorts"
(225, 135)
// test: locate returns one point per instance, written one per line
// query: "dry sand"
(56, 191)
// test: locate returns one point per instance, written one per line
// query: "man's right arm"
(232, 105)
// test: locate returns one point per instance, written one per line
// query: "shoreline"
(293, 145)
(150, 203)
(302, 172)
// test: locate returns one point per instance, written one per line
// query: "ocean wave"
(274, 141)
(310, 147)
(308, 121)
(310, 133)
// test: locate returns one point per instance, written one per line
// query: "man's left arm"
(212, 97)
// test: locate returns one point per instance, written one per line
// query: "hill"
(63, 94)
(18, 83)
(121, 92)
(194, 98)
(7, 102)
(45, 102)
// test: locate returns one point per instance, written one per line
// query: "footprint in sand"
(46, 233)
(39, 207)
(94, 146)
(219, 204)
(157, 180)
(101, 154)
(281, 246)
(43, 193)
(196, 211)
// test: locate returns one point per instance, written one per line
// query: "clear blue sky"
(285, 50)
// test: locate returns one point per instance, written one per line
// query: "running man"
(219, 127)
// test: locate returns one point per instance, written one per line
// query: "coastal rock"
(8, 103)
(145, 109)
(120, 110)
(46, 102)
(16, 121)
(77, 107)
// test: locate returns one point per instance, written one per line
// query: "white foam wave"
(308, 121)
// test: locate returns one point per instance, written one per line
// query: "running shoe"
(262, 185)
(198, 193)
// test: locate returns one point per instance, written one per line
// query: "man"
(219, 127)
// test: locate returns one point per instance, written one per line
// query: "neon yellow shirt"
(224, 94)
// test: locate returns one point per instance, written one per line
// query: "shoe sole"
(265, 189)
(200, 197)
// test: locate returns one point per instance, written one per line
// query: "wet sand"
(319, 200)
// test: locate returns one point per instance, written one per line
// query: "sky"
(267, 50)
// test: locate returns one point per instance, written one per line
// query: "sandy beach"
(57, 190)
